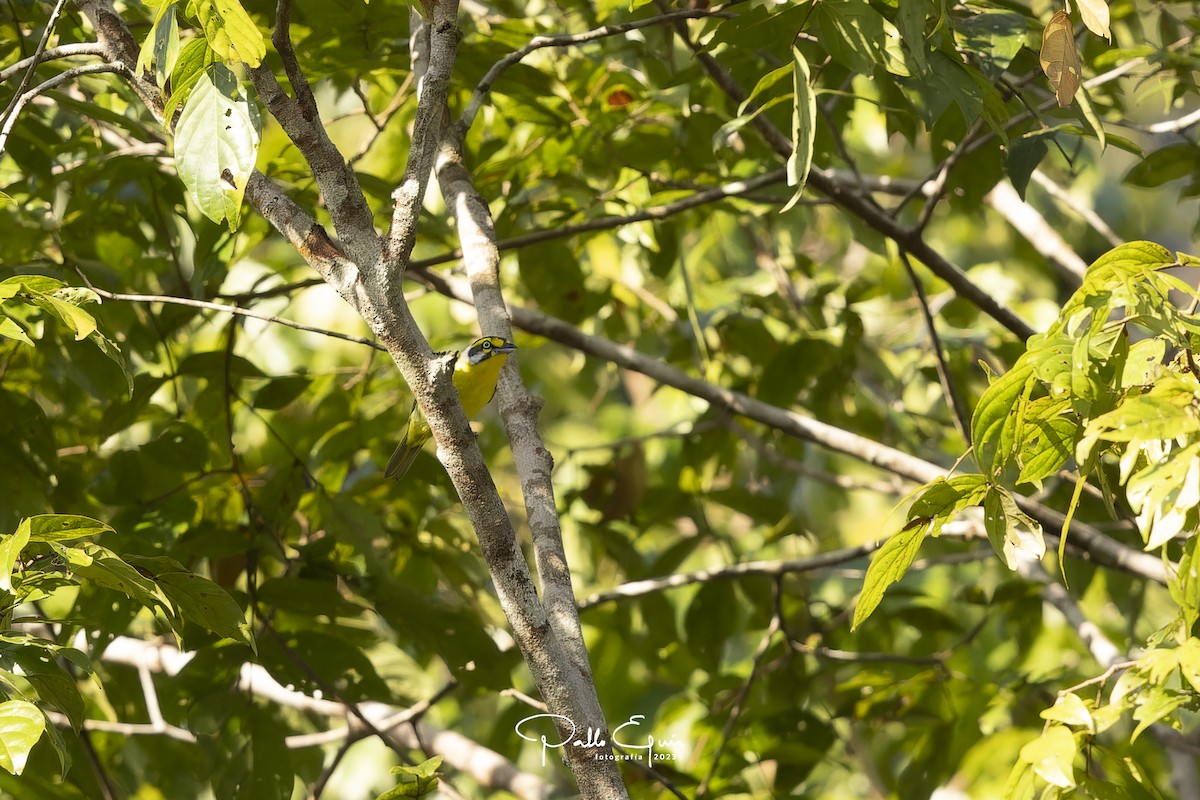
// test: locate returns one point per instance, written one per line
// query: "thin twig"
(644, 587)
(715, 194)
(52, 54)
(479, 96)
(34, 60)
(225, 308)
(19, 101)
(955, 402)
(739, 705)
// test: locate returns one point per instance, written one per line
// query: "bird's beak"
(507, 347)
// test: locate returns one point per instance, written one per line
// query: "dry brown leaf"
(1060, 58)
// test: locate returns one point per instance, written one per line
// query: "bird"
(475, 376)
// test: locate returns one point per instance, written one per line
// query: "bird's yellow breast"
(477, 383)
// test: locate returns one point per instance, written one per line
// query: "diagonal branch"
(862, 207)
(1086, 538)
(427, 133)
(352, 217)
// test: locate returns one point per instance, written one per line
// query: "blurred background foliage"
(252, 452)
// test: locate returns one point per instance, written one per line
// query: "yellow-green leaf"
(230, 32)
(21, 725)
(1052, 756)
(888, 566)
(804, 116)
(216, 143)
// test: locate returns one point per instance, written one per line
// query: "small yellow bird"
(475, 376)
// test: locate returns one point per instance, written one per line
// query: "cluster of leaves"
(47, 555)
(217, 134)
(1111, 383)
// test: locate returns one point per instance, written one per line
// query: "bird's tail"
(402, 458)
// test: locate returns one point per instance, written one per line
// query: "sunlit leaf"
(1069, 710)
(230, 31)
(21, 725)
(888, 566)
(216, 142)
(64, 527)
(1095, 17)
(1052, 756)
(10, 550)
(804, 116)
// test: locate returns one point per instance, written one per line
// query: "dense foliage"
(789, 278)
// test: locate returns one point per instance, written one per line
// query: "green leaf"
(1024, 155)
(106, 346)
(230, 32)
(1154, 704)
(944, 498)
(856, 36)
(996, 413)
(81, 323)
(105, 568)
(887, 567)
(1069, 710)
(280, 392)
(64, 527)
(1013, 534)
(217, 135)
(198, 599)
(193, 59)
(1093, 119)
(711, 614)
(1164, 165)
(416, 781)
(12, 330)
(21, 725)
(764, 83)
(1052, 756)
(910, 20)
(1145, 417)
(1047, 439)
(161, 46)
(10, 550)
(804, 120)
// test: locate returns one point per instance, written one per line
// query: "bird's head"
(483, 349)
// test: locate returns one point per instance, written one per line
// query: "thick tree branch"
(118, 44)
(1029, 222)
(433, 88)
(534, 463)
(352, 217)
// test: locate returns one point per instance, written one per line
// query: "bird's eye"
(487, 345)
